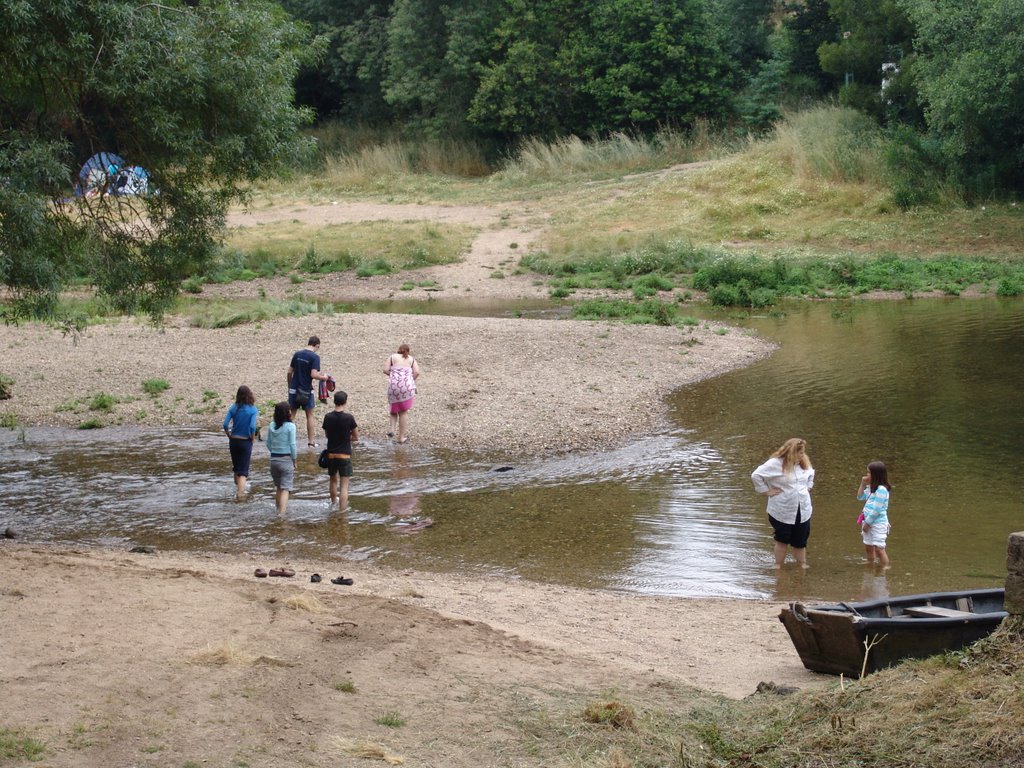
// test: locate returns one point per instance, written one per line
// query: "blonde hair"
(792, 453)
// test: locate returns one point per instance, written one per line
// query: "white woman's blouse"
(795, 487)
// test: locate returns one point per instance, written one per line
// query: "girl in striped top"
(874, 491)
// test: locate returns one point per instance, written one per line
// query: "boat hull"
(834, 637)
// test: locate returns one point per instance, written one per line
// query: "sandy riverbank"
(115, 658)
(488, 384)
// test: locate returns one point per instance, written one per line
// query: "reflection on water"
(930, 387)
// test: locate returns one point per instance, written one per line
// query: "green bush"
(103, 402)
(1010, 286)
(154, 387)
(193, 285)
(375, 267)
(914, 168)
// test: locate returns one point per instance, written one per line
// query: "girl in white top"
(787, 478)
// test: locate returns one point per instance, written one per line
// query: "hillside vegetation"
(811, 209)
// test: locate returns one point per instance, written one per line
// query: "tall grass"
(830, 143)
(619, 153)
(357, 155)
(395, 157)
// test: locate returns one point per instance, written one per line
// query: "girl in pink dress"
(402, 371)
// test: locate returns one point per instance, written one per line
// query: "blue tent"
(131, 180)
(97, 174)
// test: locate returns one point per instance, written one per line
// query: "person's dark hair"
(244, 396)
(879, 475)
(340, 397)
(282, 413)
(403, 350)
(314, 341)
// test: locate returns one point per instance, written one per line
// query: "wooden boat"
(834, 637)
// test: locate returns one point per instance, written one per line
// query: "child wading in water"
(874, 520)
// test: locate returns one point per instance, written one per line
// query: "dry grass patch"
(959, 710)
(230, 654)
(366, 750)
(305, 602)
(611, 713)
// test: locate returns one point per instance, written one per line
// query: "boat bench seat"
(936, 612)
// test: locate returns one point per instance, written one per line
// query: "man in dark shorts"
(341, 430)
(303, 370)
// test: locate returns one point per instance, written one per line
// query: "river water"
(931, 387)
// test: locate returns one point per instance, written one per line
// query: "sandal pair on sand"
(316, 578)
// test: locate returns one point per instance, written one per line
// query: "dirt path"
(505, 234)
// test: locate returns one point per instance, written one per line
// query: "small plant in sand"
(8, 421)
(390, 720)
(91, 424)
(346, 686)
(6, 385)
(612, 712)
(154, 387)
(103, 402)
(373, 268)
(14, 746)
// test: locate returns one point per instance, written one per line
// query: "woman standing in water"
(787, 478)
(402, 371)
(240, 427)
(283, 452)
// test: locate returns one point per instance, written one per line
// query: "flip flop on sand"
(343, 580)
(261, 573)
(287, 572)
(315, 578)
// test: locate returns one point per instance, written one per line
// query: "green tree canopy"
(873, 33)
(567, 67)
(198, 93)
(970, 74)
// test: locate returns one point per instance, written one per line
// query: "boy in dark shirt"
(341, 430)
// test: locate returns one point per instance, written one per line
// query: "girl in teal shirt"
(283, 452)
